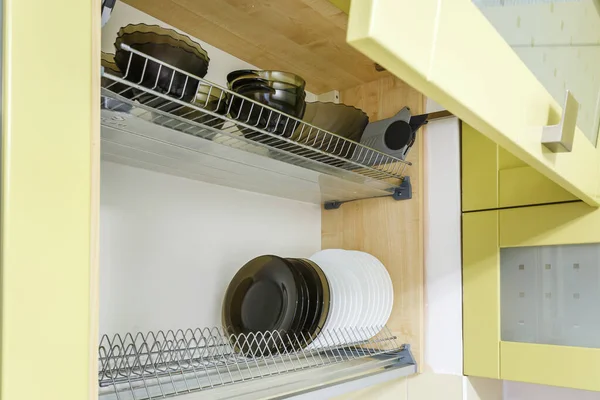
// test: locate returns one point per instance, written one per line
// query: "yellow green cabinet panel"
(454, 55)
(481, 293)
(524, 185)
(576, 367)
(49, 99)
(479, 167)
(531, 279)
(494, 178)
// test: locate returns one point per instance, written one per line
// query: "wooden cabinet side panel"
(390, 230)
(481, 294)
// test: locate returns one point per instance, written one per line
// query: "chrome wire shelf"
(163, 364)
(226, 118)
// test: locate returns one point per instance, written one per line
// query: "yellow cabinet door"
(531, 286)
(494, 178)
(507, 86)
(50, 163)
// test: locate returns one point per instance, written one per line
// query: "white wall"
(443, 263)
(169, 246)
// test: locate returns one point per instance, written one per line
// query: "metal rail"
(230, 119)
(164, 364)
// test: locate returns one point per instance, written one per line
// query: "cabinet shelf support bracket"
(402, 192)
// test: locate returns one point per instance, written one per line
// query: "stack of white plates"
(361, 296)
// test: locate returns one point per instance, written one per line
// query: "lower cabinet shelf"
(264, 365)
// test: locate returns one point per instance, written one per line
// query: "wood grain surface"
(390, 230)
(306, 37)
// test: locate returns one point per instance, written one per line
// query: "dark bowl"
(155, 76)
(347, 121)
(250, 79)
(275, 76)
(263, 118)
(281, 100)
(209, 98)
(241, 72)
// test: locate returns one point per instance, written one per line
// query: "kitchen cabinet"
(494, 178)
(502, 67)
(50, 168)
(530, 289)
(64, 284)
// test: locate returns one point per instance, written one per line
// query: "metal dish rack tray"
(248, 126)
(164, 364)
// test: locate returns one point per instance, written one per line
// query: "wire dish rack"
(226, 118)
(163, 364)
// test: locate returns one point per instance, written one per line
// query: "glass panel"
(551, 295)
(559, 41)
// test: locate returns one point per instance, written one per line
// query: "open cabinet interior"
(176, 223)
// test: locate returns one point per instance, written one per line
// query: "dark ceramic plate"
(262, 296)
(160, 78)
(162, 46)
(319, 298)
(295, 335)
(163, 35)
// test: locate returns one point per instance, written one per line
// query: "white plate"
(384, 296)
(387, 288)
(338, 303)
(369, 295)
(361, 295)
(374, 298)
(351, 283)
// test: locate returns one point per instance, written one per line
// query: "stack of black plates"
(275, 305)
(168, 46)
(280, 90)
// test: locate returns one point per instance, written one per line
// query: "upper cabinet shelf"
(224, 138)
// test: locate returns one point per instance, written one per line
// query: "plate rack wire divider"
(225, 117)
(169, 363)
